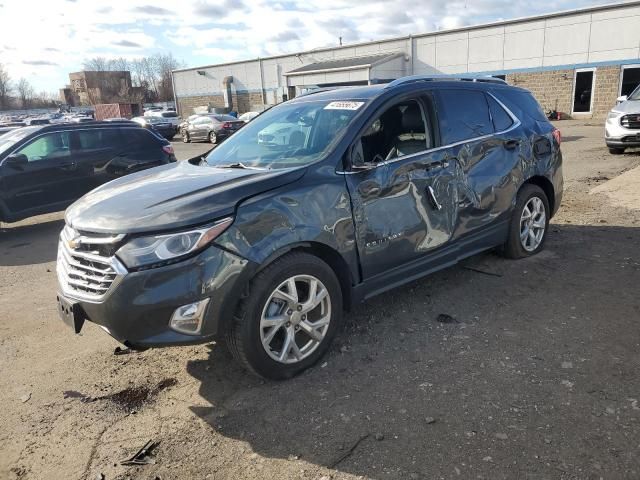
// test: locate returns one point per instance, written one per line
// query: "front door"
(405, 199)
(47, 181)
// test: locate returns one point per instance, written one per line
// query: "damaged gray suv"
(265, 242)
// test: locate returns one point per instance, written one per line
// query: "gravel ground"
(535, 374)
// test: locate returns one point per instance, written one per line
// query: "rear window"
(169, 114)
(463, 115)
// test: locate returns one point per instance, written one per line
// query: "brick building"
(576, 62)
(97, 87)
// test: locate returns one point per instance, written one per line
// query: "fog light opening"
(188, 318)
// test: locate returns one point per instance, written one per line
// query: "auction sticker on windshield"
(344, 105)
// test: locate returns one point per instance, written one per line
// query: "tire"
(185, 137)
(515, 246)
(212, 137)
(616, 151)
(245, 335)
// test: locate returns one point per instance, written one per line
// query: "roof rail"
(435, 78)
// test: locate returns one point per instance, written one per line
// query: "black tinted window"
(520, 102)
(501, 119)
(96, 139)
(140, 139)
(463, 114)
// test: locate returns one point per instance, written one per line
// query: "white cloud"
(45, 41)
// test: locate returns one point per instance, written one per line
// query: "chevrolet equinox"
(264, 242)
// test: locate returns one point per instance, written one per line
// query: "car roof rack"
(435, 78)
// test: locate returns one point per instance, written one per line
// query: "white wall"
(607, 35)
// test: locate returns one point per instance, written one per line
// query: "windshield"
(9, 139)
(289, 135)
(225, 118)
(635, 95)
(169, 114)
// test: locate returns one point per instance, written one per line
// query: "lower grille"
(84, 272)
(631, 121)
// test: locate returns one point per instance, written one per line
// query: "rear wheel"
(616, 151)
(529, 223)
(185, 136)
(212, 137)
(287, 321)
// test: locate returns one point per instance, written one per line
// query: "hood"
(171, 197)
(629, 106)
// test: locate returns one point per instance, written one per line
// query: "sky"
(44, 40)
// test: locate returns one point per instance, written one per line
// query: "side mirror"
(621, 99)
(17, 160)
(356, 158)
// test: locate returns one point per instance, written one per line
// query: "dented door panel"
(402, 209)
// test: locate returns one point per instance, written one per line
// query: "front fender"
(317, 211)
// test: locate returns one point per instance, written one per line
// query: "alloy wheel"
(533, 222)
(295, 319)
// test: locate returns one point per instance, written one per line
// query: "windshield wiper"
(238, 165)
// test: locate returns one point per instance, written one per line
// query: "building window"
(583, 90)
(630, 79)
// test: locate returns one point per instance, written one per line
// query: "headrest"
(412, 119)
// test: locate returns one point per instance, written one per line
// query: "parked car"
(622, 129)
(248, 116)
(36, 121)
(167, 129)
(265, 245)
(213, 127)
(168, 116)
(45, 168)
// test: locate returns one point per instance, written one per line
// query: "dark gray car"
(213, 128)
(264, 245)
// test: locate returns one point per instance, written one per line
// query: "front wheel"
(287, 321)
(529, 223)
(185, 137)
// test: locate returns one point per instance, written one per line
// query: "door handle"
(434, 200)
(511, 144)
(434, 165)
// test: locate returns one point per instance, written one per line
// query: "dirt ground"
(535, 376)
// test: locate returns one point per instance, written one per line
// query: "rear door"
(47, 181)
(94, 150)
(138, 149)
(199, 129)
(487, 155)
(404, 195)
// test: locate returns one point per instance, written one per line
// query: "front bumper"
(617, 136)
(137, 310)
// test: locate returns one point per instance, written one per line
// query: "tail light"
(557, 135)
(226, 125)
(168, 149)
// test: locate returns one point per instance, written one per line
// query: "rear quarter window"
(501, 119)
(521, 103)
(140, 139)
(462, 115)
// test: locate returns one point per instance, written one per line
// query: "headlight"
(613, 115)
(156, 250)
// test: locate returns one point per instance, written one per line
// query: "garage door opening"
(583, 92)
(630, 79)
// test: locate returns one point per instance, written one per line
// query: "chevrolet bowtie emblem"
(74, 243)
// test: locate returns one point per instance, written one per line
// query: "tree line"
(21, 94)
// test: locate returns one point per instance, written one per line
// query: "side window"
(501, 119)
(139, 139)
(98, 139)
(50, 146)
(463, 114)
(399, 131)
